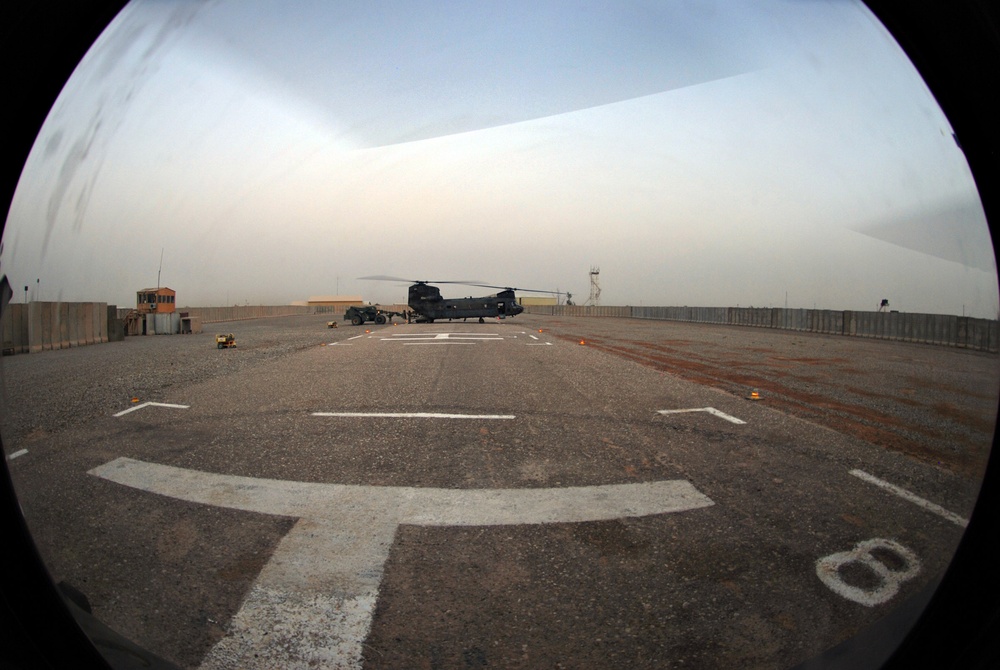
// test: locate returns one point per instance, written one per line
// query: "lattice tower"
(595, 286)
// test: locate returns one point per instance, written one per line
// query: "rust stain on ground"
(35, 435)
(938, 386)
(966, 417)
(811, 361)
(964, 453)
(853, 520)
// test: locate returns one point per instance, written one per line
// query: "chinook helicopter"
(428, 304)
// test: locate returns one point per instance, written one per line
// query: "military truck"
(366, 313)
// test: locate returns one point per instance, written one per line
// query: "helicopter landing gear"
(481, 320)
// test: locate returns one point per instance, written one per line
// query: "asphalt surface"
(505, 494)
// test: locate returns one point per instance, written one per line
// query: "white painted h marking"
(312, 604)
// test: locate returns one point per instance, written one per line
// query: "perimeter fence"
(244, 312)
(941, 329)
(42, 326)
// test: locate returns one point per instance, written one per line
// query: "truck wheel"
(356, 320)
(380, 319)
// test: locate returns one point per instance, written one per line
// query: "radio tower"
(595, 286)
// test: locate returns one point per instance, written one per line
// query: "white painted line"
(710, 410)
(407, 338)
(912, 497)
(440, 336)
(540, 344)
(20, 452)
(463, 340)
(723, 415)
(313, 602)
(355, 337)
(151, 404)
(532, 337)
(415, 415)
(415, 344)
(484, 337)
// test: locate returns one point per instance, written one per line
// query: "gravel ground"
(50, 391)
(935, 403)
(170, 574)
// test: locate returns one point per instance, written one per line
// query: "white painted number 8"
(828, 569)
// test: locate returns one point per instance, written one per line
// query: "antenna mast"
(159, 269)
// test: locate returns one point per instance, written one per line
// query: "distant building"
(529, 301)
(156, 301)
(343, 301)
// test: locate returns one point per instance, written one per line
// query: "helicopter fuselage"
(429, 305)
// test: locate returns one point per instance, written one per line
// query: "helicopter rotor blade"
(515, 288)
(465, 282)
(387, 278)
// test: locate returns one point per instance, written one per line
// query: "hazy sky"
(699, 153)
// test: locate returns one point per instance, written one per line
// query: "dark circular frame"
(954, 623)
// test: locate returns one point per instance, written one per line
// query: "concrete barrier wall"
(242, 313)
(14, 330)
(163, 324)
(115, 326)
(43, 326)
(941, 329)
(238, 313)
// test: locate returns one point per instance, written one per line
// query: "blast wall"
(244, 312)
(43, 326)
(941, 329)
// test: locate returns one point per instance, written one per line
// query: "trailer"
(361, 315)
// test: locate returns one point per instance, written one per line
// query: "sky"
(767, 153)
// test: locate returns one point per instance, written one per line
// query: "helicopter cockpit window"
(725, 450)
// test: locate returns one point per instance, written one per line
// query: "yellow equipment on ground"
(225, 341)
